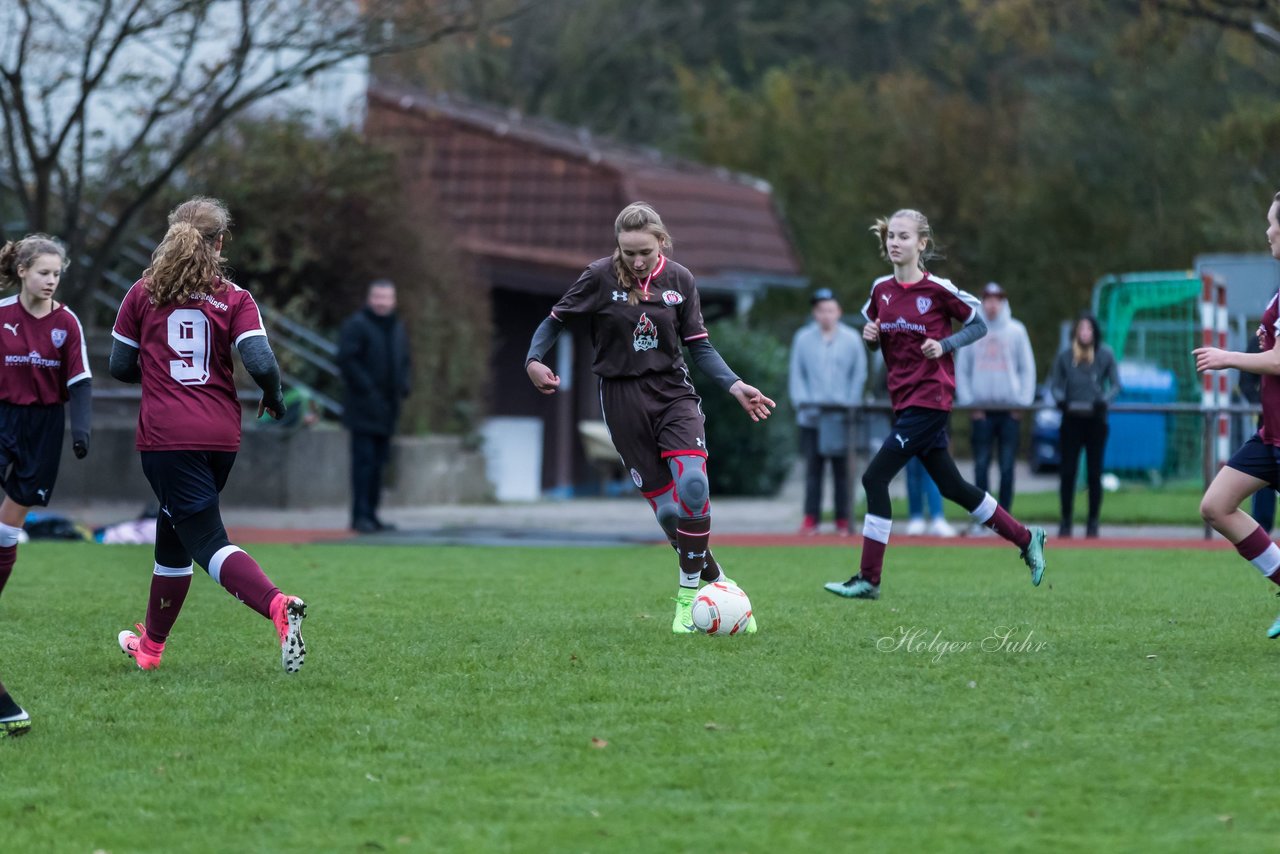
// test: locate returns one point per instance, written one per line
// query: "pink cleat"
(144, 650)
(287, 612)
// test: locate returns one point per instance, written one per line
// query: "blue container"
(1137, 441)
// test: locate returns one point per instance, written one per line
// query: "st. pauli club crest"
(646, 335)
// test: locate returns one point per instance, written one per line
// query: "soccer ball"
(721, 608)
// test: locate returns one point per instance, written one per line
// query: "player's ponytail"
(637, 216)
(188, 260)
(21, 253)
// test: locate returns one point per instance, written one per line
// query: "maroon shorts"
(650, 419)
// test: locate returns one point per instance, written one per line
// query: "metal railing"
(290, 335)
(1209, 415)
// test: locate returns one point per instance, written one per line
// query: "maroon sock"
(168, 592)
(872, 559)
(1254, 545)
(711, 569)
(241, 576)
(1009, 528)
(8, 557)
(692, 534)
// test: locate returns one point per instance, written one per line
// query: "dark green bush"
(747, 458)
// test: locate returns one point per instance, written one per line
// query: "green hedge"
(747, 458)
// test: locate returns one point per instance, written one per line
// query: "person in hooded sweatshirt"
(997, 374)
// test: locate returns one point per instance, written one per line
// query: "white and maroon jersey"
(42, 355)
(908, 315)
(1270, 386)
(189, 398)
(634, 340)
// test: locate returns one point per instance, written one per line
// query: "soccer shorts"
(186, 482)
(650, 419)
(30, 450)
(916, 431)
(1258, 459)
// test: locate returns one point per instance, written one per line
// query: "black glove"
(1099, 407)
(1062, 407)
(275, 405)
(80, 446)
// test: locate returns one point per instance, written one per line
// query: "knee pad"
(693, 490)
(665, 509)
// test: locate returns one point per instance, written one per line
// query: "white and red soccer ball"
(721, 608)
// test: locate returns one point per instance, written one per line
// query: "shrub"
(747, 458)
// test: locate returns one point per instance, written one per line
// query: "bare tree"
(1261, 18)
(102, 101)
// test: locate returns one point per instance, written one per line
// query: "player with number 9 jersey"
(189, 399)
(174, 334)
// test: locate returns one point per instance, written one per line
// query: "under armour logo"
(619, 296)
(885, 297)
(12, 327)
(901, 441)
(696, 555)
(699, 442)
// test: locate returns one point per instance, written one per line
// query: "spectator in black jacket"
(1084, 382)
(373, 353)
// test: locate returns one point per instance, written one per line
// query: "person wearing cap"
(997, 376)
(828, 373)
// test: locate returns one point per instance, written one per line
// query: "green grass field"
(1133, 504)
(459, 699)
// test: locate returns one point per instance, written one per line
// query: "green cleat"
(855, 588)
(1033, 555)
(683, 622)
(15, 725)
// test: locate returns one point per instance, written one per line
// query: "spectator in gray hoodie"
(828, 372)
(998, 374)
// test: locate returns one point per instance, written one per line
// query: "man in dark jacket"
(373, 352)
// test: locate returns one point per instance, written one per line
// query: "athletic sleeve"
(974, 328)
(75, 364)
(689, 317)
(580, 300)
(544, 338)
(81, 410)
(260, 362)
(246, 320)
(711, 363)
(123, 363)
(128, 326)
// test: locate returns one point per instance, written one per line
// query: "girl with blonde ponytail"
(911, 317)
(174, 334)
(42, 367)
(643, 309)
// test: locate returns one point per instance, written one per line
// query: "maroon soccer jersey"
(189, 398)
(908, 315)
(1270, 387)
(634, 340)
(42, 355)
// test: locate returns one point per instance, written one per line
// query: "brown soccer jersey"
(635, 340)
(648, 403)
